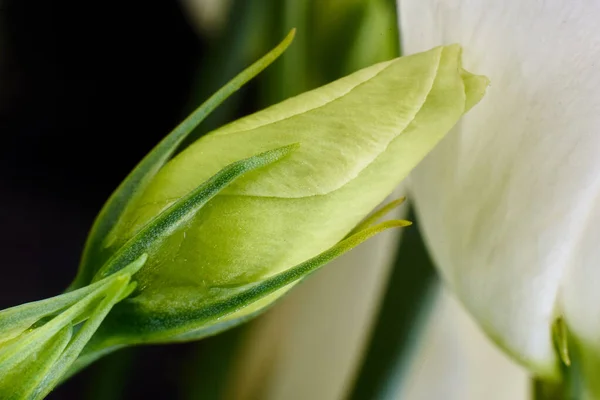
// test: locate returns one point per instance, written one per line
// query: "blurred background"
(88, 88)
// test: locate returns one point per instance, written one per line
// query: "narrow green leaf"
(95, 252)
(225, 307)
(245, 37)
(184, 209)
(19, 349)
(377, 215)
(251, 293)
(23, 381)
(118, 287)
(23, 347)
(15, 320)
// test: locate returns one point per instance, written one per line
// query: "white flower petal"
(450, 353)
(507, 199)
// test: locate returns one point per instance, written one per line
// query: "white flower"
(510, 201)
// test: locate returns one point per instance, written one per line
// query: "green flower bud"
(187, 248)
(358, 138)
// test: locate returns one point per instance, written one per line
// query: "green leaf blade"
(118, 287)
(20, 383)
(185, 208)
(15, 320)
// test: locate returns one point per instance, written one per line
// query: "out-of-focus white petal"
(507, 200)
(455, 361)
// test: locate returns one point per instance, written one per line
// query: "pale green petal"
(344, 126)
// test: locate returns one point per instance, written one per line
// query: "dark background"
(86, 89)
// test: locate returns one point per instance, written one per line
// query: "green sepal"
(222, 308)
(42, 339)
(21, 382)
(379, 214)
(117, 289)
(15, 320)
(148, 239)
(96, 250)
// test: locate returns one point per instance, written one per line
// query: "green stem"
(542, 390)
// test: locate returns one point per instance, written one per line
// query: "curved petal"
(519, 176)
(451, 352)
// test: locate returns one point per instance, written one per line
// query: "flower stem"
(543, 390)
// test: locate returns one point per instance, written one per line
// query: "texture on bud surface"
(358, 138)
